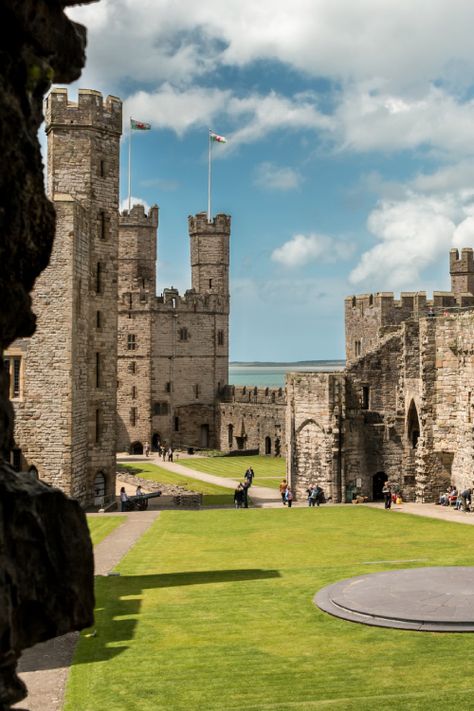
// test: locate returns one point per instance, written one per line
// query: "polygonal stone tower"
(65, 397)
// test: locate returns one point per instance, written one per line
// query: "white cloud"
(274, 177)
(301, 249)
(134, 201)
(345, 41)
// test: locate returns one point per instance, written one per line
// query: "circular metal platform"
(422, 599)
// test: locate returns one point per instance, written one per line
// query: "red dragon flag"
(216, 138)
(139, 125)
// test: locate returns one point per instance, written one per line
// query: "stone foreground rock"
(46, 564)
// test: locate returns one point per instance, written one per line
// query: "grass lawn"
(213, 612)
(100, 527)
(213, 495)
(269, 471)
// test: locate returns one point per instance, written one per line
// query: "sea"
(264, 375)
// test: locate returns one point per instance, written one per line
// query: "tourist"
(139, 491)
(238, 497)
(309, 491)
(387, 495)
(170, 454)
(466, 496)
(163, 453)
(147, 449)
(289, 497)
(249, 475)
(316, 495)
(283, 488)
(245, 492)
(123, 499)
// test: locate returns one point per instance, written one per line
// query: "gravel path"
(45, 667)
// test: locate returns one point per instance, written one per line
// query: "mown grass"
(269, 471)
(101, 526)
(213, 611)
(213, 495)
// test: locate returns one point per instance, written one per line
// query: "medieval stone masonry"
(403, 408)
(173, 349)
(63, 379)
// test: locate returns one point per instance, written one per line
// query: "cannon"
(140, 503)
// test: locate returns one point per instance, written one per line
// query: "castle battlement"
(198, 224)
(90, 110)
(461, 264)
(139, 217)
(254, 395)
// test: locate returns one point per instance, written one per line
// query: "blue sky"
(348, 167)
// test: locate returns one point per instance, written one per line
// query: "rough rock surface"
(46, 565)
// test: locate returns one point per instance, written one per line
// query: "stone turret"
(210, 253)
(461, 270)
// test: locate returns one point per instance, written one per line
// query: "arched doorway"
(378, 480)
(413, 425)
(268, 445)
(155, 441)
(99, 489)
(136, 448)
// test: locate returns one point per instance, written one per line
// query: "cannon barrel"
(154, 495)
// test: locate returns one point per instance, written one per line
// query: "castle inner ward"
(114, 366)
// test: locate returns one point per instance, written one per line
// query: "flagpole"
(130, 166)
(209, 180)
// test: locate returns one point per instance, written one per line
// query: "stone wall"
(181, 342)
(66, 415)
(314, 434)
(253, 418)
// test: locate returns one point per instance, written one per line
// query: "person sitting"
(452, 496)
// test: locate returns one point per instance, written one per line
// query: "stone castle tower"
(173, 352)
(66, 374)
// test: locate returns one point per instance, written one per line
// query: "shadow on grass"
(118, 608)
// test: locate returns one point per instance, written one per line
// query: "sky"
(347, 167)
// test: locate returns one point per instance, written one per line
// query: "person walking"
(146, 449)
(238, 497)
(249, 475)
(316, 495)
(289, 497)
(283, 488)
(387, 495)
(123, 499)
(245, 492)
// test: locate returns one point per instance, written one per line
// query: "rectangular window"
(98, 426)
(102, 225)
(168, 387)
(102, 168)
(98, 319)
(132, 367)
(13, 368)
(210, 283)
(131, 342)
(220, 338)
(365, 397)
(183, 334)
(97, 370)
(16, 459)
(134, 392)
(196, 390)
(157, 408)
(133, 416)
(98, 278)
(357, 348)
(176, 424)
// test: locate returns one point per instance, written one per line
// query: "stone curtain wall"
(314, 436)
(46, 588)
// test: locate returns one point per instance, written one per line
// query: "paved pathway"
(45, 667)
(260, 495)
(443, 513)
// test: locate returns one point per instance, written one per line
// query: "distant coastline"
(273, 374)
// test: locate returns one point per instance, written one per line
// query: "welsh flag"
(139, 125)
(218, 139)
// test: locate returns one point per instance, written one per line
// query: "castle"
(402, 409)
(114, 366)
